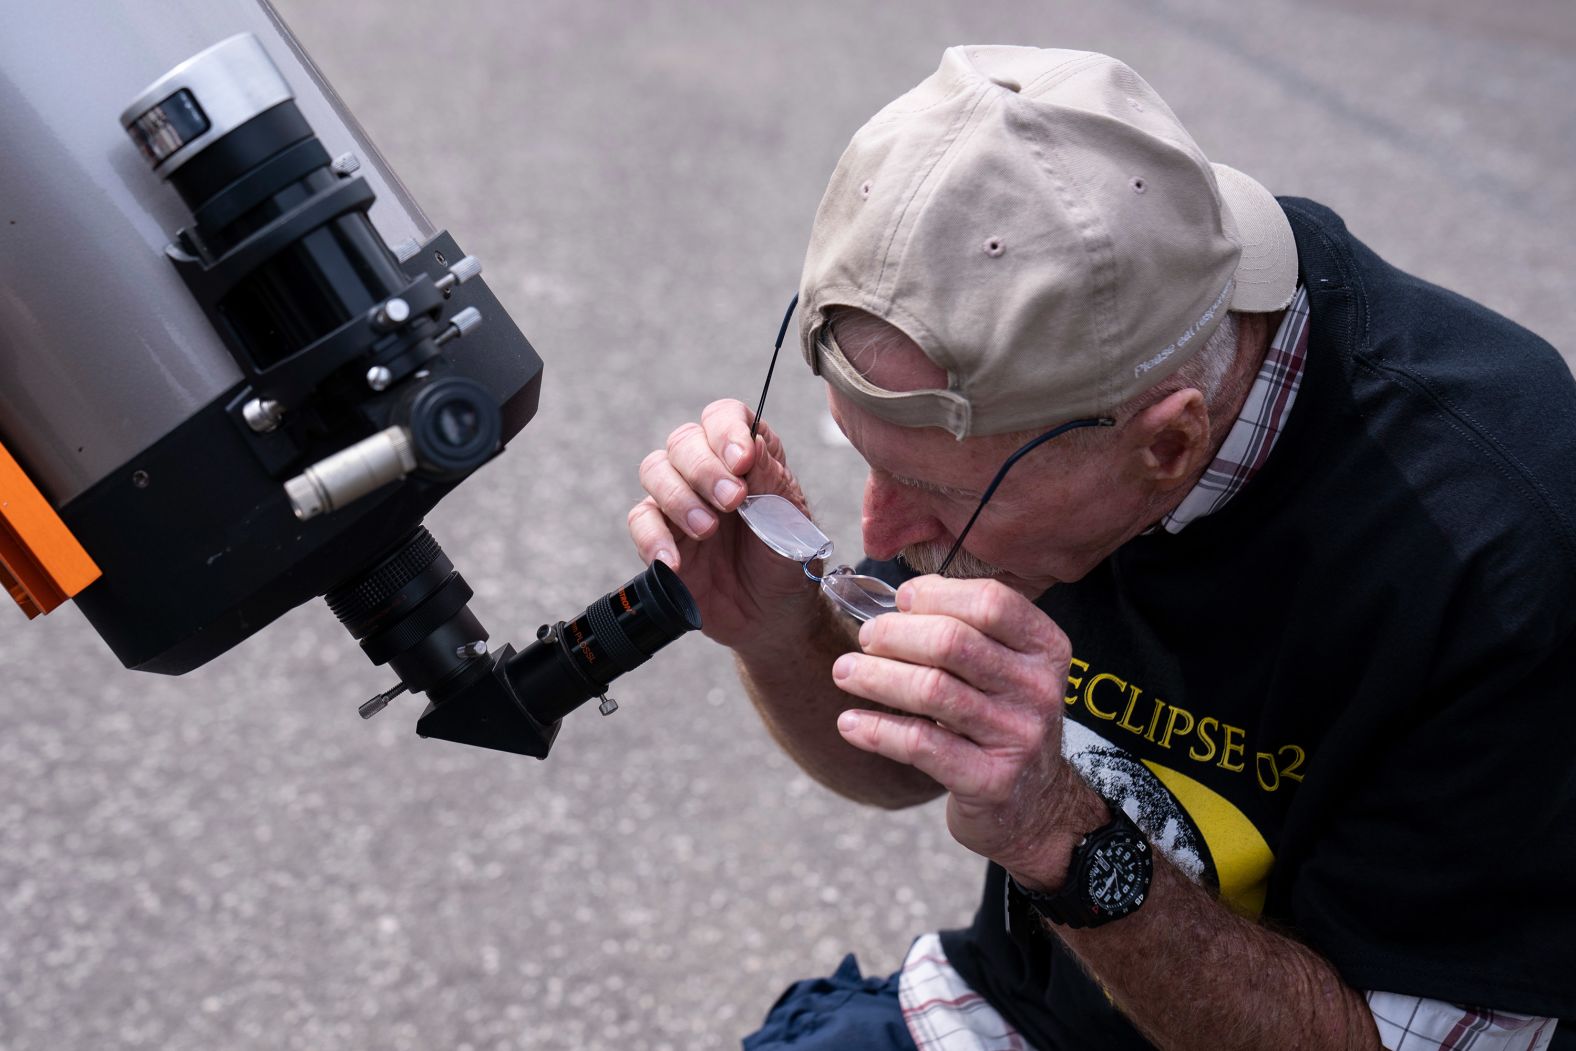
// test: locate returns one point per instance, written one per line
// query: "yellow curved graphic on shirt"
(1242, 857)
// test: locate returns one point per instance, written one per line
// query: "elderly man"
(1254, 685)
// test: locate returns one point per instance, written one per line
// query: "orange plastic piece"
(41, 563)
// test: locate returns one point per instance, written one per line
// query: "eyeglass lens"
(784, 528)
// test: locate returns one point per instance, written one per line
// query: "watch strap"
(1067, 906)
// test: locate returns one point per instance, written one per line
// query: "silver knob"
(406, 250)
(458, 274)
(346, 164)
(263, 415)
(471, 650)
(379, 377)
(391, 315)
(466, 269)
(467, 320)
(459, 325)
(608, 706)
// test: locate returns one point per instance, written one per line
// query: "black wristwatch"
(1107, 879)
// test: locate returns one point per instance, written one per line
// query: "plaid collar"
(1258, 425)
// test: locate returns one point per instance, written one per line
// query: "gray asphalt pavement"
(234, 860)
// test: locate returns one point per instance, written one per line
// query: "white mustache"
(927, 558)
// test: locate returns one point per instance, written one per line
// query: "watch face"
(1116, 876)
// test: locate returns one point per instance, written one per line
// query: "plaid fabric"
(942, 1012)
(1259, 423)
(1409, 1024)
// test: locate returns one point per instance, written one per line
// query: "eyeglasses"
(786, 530)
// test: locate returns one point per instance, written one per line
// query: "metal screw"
(262, 414)
(346, 164)
(608, 705)
(379, 377)
(441, 258)
(406, 250)
(139, 479)
(380, 702)
(391, 314)
(471, 650)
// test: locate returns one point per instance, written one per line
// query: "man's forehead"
(884, 355)
(925, 454)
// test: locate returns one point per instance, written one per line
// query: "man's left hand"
(980, 670)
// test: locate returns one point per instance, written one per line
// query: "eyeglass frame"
(788, 531)
(1001, 473)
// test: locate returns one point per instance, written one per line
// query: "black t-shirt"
(1348, 698)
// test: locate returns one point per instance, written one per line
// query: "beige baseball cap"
(1041, 225)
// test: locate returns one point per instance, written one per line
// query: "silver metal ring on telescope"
(202, 100)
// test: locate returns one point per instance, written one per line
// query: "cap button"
(1006, 82)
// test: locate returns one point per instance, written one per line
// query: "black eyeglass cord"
(781, 332)
(1033, 444)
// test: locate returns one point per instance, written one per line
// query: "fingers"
(972, 655)
(701, 470)
(707, 473)
(946, 758)
(947, 643)
(711, 458)
(674, 495)
(937, 695)
(992, 608)
(726, 428)
(650, 529)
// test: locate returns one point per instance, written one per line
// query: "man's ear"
(1171, 439)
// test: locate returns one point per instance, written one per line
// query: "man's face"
(1057, 515)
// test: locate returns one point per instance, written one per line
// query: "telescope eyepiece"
(572, 662)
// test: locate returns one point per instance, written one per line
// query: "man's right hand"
(751, 599)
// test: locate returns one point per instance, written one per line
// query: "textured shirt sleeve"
(1407, 1023)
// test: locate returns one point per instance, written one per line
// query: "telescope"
(238, 366)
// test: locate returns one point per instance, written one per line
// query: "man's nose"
(893, 517)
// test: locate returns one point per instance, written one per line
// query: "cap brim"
(1267, 271)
